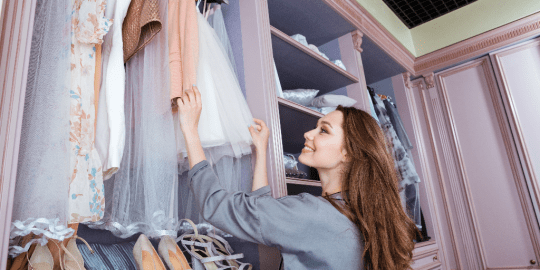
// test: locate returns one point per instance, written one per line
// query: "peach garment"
(183, 46)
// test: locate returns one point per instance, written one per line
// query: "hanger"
(371, 91)
(217, 1)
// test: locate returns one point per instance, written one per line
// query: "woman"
(358, 223)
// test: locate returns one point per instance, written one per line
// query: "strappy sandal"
(74, 260)
(222, 247)
(201, 248)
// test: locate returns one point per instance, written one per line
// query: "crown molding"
(351, 10)
(482, 44)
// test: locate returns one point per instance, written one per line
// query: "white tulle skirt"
(223, 126)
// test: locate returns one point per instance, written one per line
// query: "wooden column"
(15, 40)
(350, 46)
(261, 86)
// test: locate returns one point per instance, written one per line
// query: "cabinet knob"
(435, 258)
(533, 261)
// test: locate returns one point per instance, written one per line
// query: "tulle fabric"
(223, 126)
(43, 174)
(225, 116)
(142, 196)
(218, 23)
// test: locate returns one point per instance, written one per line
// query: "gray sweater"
(308, 230)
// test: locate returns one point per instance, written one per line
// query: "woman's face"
(323, 148)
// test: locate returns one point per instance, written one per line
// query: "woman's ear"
(344, 155)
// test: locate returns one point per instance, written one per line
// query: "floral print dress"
(86, 197)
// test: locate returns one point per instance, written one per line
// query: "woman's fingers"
(197, 95)
(188, 96)
(260, 122)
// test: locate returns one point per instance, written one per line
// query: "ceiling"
(415, 12)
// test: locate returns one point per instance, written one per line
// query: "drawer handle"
(434, 258)
(533, 261)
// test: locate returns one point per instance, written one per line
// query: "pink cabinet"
(490, 215)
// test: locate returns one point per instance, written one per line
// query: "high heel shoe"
(146, 256)
(41, 259)
(73, 259)
(172, 255)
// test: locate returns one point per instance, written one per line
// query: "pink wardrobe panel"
(518, 72)
(486, 179)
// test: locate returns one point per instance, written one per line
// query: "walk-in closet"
(460, 122)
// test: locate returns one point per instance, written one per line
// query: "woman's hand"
(189, 109)
(260, 134)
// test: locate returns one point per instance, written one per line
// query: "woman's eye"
(323, 130)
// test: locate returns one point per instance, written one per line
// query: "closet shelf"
(312, 18)
(298, 107)
(295, 120)
(304, 182)
(300, 67)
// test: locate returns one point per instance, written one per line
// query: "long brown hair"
(370, 192)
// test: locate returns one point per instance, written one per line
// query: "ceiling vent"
(415, 12)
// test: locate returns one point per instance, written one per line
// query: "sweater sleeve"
(256, 216)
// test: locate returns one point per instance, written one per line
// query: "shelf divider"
(298, 107)
(304, 182)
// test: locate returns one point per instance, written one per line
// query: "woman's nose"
(309, 135)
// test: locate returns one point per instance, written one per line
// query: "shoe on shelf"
(41, 259)
(146, 256)
(172, 255)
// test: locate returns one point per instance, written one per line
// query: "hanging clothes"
(142, 197)
(111, 129)
(86, 199)
(393, 114)
(223, 124)
(40, 204)
(405, 169)
(183, 47)
(217, 22)
(141, 24)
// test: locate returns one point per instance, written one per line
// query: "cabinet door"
(518, 73)
(490, 210)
